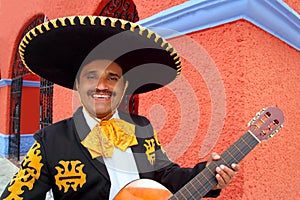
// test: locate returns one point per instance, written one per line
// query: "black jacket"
(58, 161)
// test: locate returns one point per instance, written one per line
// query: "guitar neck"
(201, 184)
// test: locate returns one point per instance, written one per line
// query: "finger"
(220, 179)
(225, 173)
(215, 156)
(235, 167)
(221, 182)
(228, 172)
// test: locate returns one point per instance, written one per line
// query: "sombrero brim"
(55, 50)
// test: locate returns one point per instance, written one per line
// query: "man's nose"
(102, 84)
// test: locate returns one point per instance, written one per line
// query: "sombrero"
(55, 50)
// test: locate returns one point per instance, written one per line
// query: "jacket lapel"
(143, 132)
(82, 129)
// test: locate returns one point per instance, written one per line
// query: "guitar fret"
(204, 185)
(242, 139)
(209, 173)
(199, 181)
(225, 162)
(206, 177)
(179, 193)
(230, 159)
(231, 156)
(193, 185)
(211, 170)
(238, 150)
(236, 153)
(195, 188)
(188, 191)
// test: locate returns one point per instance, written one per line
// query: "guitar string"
(225, 160)
(231, 155)
(186, 190)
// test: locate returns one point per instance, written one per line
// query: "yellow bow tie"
(109, 134)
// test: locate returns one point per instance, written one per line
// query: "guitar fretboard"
(201, 184)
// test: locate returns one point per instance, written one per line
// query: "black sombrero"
(55, 50)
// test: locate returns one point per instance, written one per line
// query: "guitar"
(261, 128)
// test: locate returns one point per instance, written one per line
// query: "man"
(99, 150)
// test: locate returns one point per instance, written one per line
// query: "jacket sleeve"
(161, 168)
(175, 177)
(32, 180)
(172, 175)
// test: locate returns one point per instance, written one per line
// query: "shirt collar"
(92, 121)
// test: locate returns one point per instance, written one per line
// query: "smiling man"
(99, 150)
(101, 88)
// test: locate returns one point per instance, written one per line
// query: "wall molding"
(273, 16)
(26, 83)
(26, 141)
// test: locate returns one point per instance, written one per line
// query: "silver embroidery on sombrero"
(29, 172)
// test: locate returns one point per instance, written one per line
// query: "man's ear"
(126, 86)
(124, 91)
(76, 84)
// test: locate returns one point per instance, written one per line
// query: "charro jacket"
(58, 161)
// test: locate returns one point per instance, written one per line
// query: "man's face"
(101, 87)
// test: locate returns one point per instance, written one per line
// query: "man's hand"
(224, 174)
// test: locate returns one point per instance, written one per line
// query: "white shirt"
(121, 167)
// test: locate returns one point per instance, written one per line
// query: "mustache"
(112, 93)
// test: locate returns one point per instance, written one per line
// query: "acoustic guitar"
(261, 128)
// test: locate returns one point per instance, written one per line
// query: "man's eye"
(91, 77)
(114, 78)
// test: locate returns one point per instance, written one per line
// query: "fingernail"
(218, 169)
(215, 155)
(233, 165)
(222, 167)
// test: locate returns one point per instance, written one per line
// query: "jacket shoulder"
(134, 119)
(61, 128)
(143, 126)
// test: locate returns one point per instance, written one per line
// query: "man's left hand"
(224, 174)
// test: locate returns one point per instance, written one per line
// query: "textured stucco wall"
(257, 70)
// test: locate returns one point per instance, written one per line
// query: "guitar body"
(143, 189)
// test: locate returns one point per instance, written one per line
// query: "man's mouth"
(101, 96)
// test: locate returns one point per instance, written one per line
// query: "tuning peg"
(281, 126)
(251, 122)
(276, 131)
(272, 134)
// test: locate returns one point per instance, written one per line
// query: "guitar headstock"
(266, 123)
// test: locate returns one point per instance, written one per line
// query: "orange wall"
(29, 110)
(4, 112)
(257, 70)
(30, 114)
